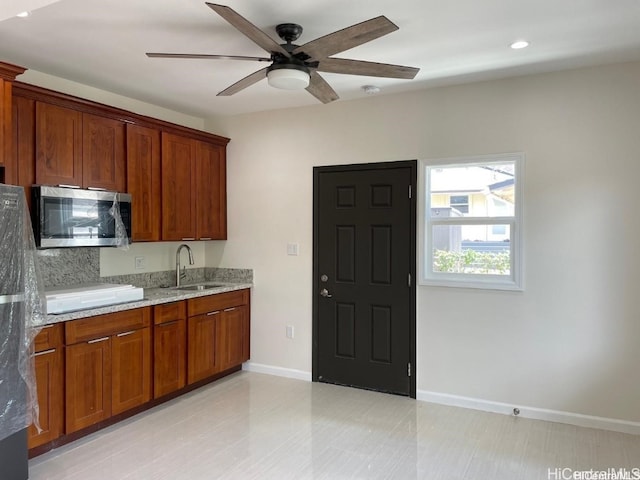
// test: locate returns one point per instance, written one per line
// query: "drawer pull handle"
(98, 340)
(229, 309)
(189, 238)
(45, 352)
(97, 189)
(214, 313)
(47, 326)
(166, 324)
(124, 334)
(205, 238)
(65, 185)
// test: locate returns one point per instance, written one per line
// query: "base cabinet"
(88, 383)
(217, 333)
(48, 364)
(108, 366)
(131, 370)
(169, 348)
(91, 369)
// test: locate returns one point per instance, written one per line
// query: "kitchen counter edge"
(152, 296)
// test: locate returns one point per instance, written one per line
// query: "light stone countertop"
(152, 296)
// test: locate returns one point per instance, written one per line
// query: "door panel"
(58, 145)
(88, 384)
(364, 258)
(131, 370)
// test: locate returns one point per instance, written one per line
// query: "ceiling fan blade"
(347, 38)
(319, 88)
(247, 81)
(371, 69)
(205, 56)
(249, 29)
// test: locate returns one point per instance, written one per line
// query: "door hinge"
(409, 279)
(410, 191)
(408, 369)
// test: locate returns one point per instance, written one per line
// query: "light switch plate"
(293, 249)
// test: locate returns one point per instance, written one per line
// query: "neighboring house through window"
(472, 234)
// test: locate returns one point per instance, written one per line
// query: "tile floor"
(253, 426)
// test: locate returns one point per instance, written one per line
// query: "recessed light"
(23, 14)
(519, 44)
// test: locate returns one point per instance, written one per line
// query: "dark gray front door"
(364, 276)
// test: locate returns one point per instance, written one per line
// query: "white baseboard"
(535, 413)
(557, 416)
(277, 371)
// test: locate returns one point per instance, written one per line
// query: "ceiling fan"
(296, 66)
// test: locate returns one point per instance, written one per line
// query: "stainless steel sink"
(200, 287)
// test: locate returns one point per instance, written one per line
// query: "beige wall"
(569, 341)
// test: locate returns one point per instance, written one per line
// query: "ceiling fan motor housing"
(289, 32)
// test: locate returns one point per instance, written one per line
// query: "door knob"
(325, 293)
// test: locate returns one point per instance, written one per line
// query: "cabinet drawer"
(219, 301)
(49, 337)
(169, 312)
(107, 324)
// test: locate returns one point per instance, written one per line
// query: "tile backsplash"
(75, 266)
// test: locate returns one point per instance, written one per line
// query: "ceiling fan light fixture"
(288, 78)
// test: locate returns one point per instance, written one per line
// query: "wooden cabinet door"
(169, 357)
(201, 346)
(178, 188)
(8, 73)
(131, 369)
(22, 168)
(58, 145)
(246, 333)
(143, 182)
(169, 347)
(87, 383)
(103, 153)
(229, 338)
(211, 192)
(49, 382)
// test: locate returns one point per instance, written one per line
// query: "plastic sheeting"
(22, 313)
(122, 239)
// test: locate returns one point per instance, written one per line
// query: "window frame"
(513, 281)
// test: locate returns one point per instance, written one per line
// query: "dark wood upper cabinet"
(80, 149)
(194, 193)
(211, 192)
(176, 175)
(144, 182)
(178, 187)
(103, 153)
(8, 73)
(58, 145)
(22, 171)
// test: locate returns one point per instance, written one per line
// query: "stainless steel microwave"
(73, 217)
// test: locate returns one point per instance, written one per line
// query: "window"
(471, 213)
(460, 203)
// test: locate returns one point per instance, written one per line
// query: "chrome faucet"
(182, 274)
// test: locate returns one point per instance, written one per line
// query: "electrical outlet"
(140, 264)
(289, 331)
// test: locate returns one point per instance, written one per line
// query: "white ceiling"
(103, 44)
